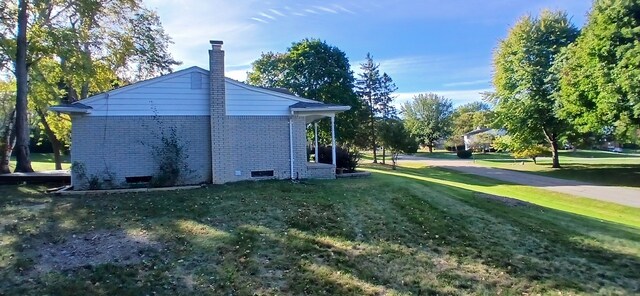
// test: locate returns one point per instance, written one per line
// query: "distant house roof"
(478, 131)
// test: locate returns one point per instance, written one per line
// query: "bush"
(465, 154)
(345, 159)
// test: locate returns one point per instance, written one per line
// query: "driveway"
(616, 194)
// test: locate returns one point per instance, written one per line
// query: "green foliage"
(525, 82)
(428, 118)
(375, 91)
(396, 139)
(600, 73)
(346, 160)
(519, 149)
(315, 70)
(468, 117)
(464, 154)
(171, 159)
(80, 47)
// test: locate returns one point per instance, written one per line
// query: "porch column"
(333, 139)
(315, 126)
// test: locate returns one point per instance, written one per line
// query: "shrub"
(465, 154)
(172, 160)
(345, 159)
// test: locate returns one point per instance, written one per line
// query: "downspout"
(291, 144)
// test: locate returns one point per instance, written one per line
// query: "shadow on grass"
(387, 234)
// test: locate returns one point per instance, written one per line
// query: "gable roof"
(298, 103)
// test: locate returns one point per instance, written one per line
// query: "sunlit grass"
(407, 232)
(43, 162)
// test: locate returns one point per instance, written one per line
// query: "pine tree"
(368, 89)
(384, 107)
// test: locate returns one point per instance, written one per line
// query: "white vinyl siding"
(246, 101)
(186, 92)
(179, 94)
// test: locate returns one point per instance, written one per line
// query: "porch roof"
(316, 110)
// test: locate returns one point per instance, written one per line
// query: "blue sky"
(425, 46)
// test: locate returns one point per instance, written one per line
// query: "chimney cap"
(215, 42)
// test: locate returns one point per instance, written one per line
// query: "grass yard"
(599, 167)
(412, 231)
(43, 162)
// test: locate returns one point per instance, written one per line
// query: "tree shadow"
(368, 236)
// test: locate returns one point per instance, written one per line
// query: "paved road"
(616, 194)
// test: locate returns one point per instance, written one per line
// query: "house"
(474, 137)
(229, 131)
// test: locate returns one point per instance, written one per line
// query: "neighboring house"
(231, 131)
(472, 137)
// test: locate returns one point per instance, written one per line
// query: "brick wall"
(261, 143)
(122, 145)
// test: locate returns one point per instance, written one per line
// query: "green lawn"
(600, 167)
(43, 162)
(412, 231)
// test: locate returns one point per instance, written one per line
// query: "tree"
(526, 85)
(7, 119)
(315, 70)
(428, 118)
(368, 89)
(385, 107)
(468, 117)
(395, 137)
(23, 162)
(81, 47)
(600, 71)
(519, 149)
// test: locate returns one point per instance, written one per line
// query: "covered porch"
(313, 113)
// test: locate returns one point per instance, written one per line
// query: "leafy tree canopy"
(601, 70)
(525, 82)
(315, 70)
(428, 118)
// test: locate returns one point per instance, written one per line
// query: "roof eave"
(328, 108)
(69, 110)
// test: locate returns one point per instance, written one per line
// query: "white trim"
(327, 108)
(69, 110)
(333, 139)
(291, 145)
(315, 125)
(268, 92)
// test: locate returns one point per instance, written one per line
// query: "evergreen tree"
(385, 107)
(368, 88)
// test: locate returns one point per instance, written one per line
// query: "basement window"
(258, 174)
(138, 179)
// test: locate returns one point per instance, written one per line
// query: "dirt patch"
(505, 200)
(95, 248)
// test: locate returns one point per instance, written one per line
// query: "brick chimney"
(218, 111)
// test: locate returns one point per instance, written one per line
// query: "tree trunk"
(384, 155)
(553, 140)
(373, 135)
(554, 153)
(394, 160)
(55, 143)
(430, 148)
(23, 162)
(7, 144)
